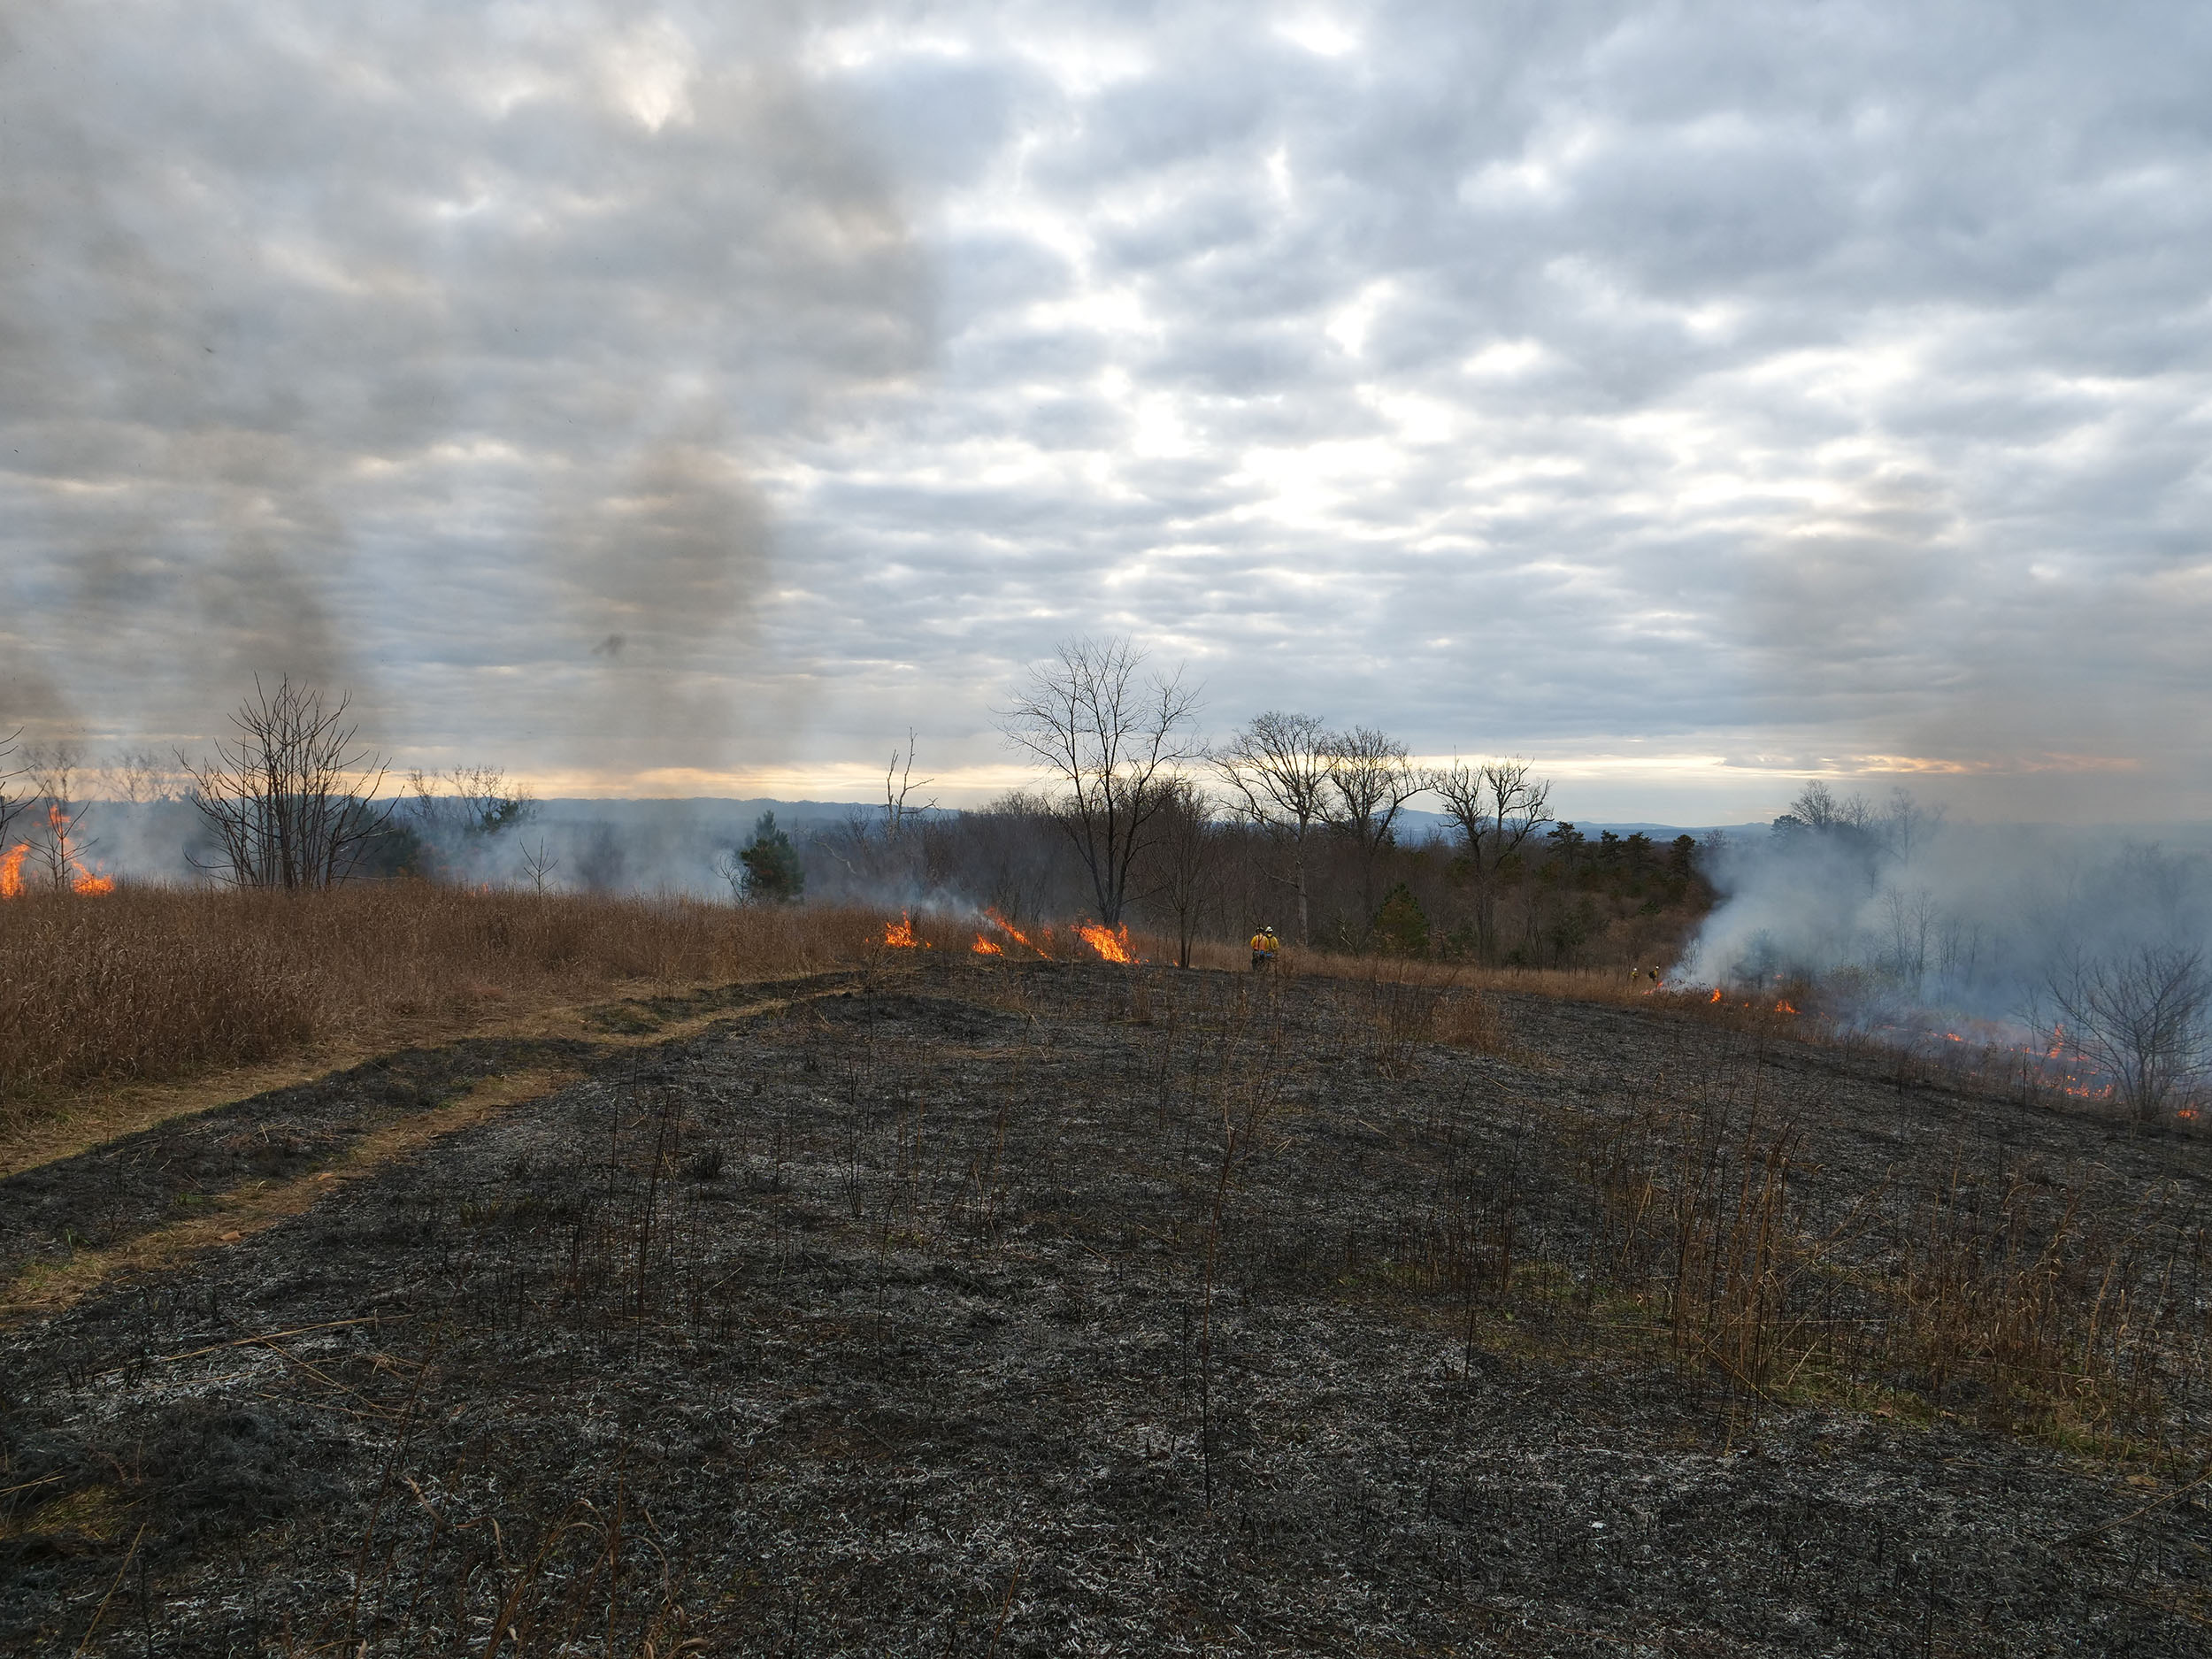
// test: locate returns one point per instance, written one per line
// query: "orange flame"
(1785, 1008)
(1111, 943)
(90, 883)
(985, 947)
(901, 933)
(1716, 996)
(1015, 933)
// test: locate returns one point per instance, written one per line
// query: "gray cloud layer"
(423, 350)
(1796, 385)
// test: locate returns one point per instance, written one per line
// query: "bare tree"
(2141, 1016)
(292, 800)
(63, 844)
(899, 785)
(1817, 807)
(1278, 770)
(464, 800)
(10, 804)
(1373, 778)
(1496, 805)
(1906, 827)
(137, 776)
(1913, 918)
(1113, 739)
(730, 865)
(1183, 856)
(538, 865)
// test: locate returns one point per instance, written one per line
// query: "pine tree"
(773, 871)
(1400, 928)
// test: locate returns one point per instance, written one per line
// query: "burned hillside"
(971, 1306)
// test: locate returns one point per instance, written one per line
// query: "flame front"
(985, 947)
(1014, 934)
(89, 883)
(1111, 943)
(901, 933)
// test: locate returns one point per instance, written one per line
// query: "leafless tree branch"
(292, 800)
(1113, 738)
(1496, 805)
(1278, 772)
(63, 844)
(1373, 778)
(2141, 1016)
(10, 804)
(899, 784)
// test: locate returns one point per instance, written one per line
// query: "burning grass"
(158, 985)
(121, 1010)
(64, 870)
(1080, 941)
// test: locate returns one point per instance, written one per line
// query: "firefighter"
(1264, 945)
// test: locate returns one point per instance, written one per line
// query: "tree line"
(1288, 822)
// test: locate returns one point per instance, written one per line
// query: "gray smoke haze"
(665, 846)
(1904, 924)
(342, 340)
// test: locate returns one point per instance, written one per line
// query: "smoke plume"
(1907, 924)
(422, 353)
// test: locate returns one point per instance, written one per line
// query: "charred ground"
(985, 1308)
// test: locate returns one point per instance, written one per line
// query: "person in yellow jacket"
(1264, 945)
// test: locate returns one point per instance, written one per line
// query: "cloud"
(1820, 384)
(423, 350)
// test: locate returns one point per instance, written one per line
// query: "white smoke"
(1904, 922)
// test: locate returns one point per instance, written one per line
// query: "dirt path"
(1052, 1310)
(153, 1195)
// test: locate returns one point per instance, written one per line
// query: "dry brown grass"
(1468, 1019)
(152, 983)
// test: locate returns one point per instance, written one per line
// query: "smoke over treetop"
(403, 349)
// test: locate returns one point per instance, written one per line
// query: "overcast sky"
(1691, 398)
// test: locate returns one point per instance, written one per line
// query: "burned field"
(992, 1308)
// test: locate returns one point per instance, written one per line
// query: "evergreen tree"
(1400, 928)
(772, 873)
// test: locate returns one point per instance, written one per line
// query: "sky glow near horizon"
(690, 401)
